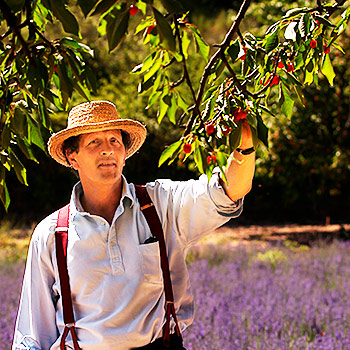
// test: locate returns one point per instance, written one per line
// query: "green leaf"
(103, 6)
(266, 110)
(202, 47)
(4, 193)
(263, 131)
(300, 95)
(199, 156)
(327, 69)
(67, 19)
(172, 6)
(324, 21)
(186, 40)
(235, 137)
(44, 114)
(37, 76)
(34, 134)
(26, 150)
(181, 103)
(165, 32)
(65, 83)
(293, 79)
(5, 136)
(294, 12)
(304, 24)
(272, 41)
(117, 27)
(172, 109)
(153, 69)
(234, 50)
(339, 48)
(209, 108)
(87, 5)
(288, 103)
(20, 170)
(163, 107)
(147, 63)
(169, 151)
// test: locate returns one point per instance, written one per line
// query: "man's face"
(100, 158)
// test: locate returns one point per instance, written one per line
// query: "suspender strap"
(61, 238)
(152, 218)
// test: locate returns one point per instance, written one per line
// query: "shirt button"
(112, 244)
(103, 223)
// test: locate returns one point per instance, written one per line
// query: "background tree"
(240, 78)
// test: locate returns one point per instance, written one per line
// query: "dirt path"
(300, 233)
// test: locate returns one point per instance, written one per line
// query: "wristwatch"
(246, 151)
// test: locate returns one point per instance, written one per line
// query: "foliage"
(39, 74)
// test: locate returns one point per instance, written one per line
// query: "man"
(115, 276)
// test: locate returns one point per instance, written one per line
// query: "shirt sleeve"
(36, 319)
(193, 208)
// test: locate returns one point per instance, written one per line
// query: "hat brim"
(135, 129)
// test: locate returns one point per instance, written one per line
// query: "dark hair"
(72, 143)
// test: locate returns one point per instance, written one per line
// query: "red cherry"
(290, 67)
(150, 28)
(211, 158)
(280, 64)
(239, 114)
(326, 49)
(243, 57)
(210, 128)
(187, 148)
(313, 43)
(226, 130)
(133, 9)
(275, 80)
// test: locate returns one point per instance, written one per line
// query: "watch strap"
(246, 151)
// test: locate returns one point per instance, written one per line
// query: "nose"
(107, 149)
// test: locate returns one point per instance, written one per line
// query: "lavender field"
(249, 297)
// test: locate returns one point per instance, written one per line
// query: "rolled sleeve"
(225, 206)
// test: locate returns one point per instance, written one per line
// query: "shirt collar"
(76, 205)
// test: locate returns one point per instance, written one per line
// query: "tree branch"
(225, 43)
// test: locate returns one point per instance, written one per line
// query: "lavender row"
(275, 298)
(249, 298)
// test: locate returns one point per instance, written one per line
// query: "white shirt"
(116, 280)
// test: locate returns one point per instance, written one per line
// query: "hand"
(247, 139)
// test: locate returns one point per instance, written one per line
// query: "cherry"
(211, 158)
(326, 49)
(290, 67)
(210, 128)
(280, 64)
(275, 80)
(313, 43)
(243, 57)
(226, 130)
(150, 28)
(239, 114)
(133, 9)
(187, 148)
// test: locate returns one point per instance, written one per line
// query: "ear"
(72, 160)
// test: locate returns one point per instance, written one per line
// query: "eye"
(93, 142)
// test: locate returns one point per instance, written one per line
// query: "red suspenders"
(61, 237)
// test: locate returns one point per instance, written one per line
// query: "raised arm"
(240, 168)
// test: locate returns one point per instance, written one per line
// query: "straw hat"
(95, 116)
